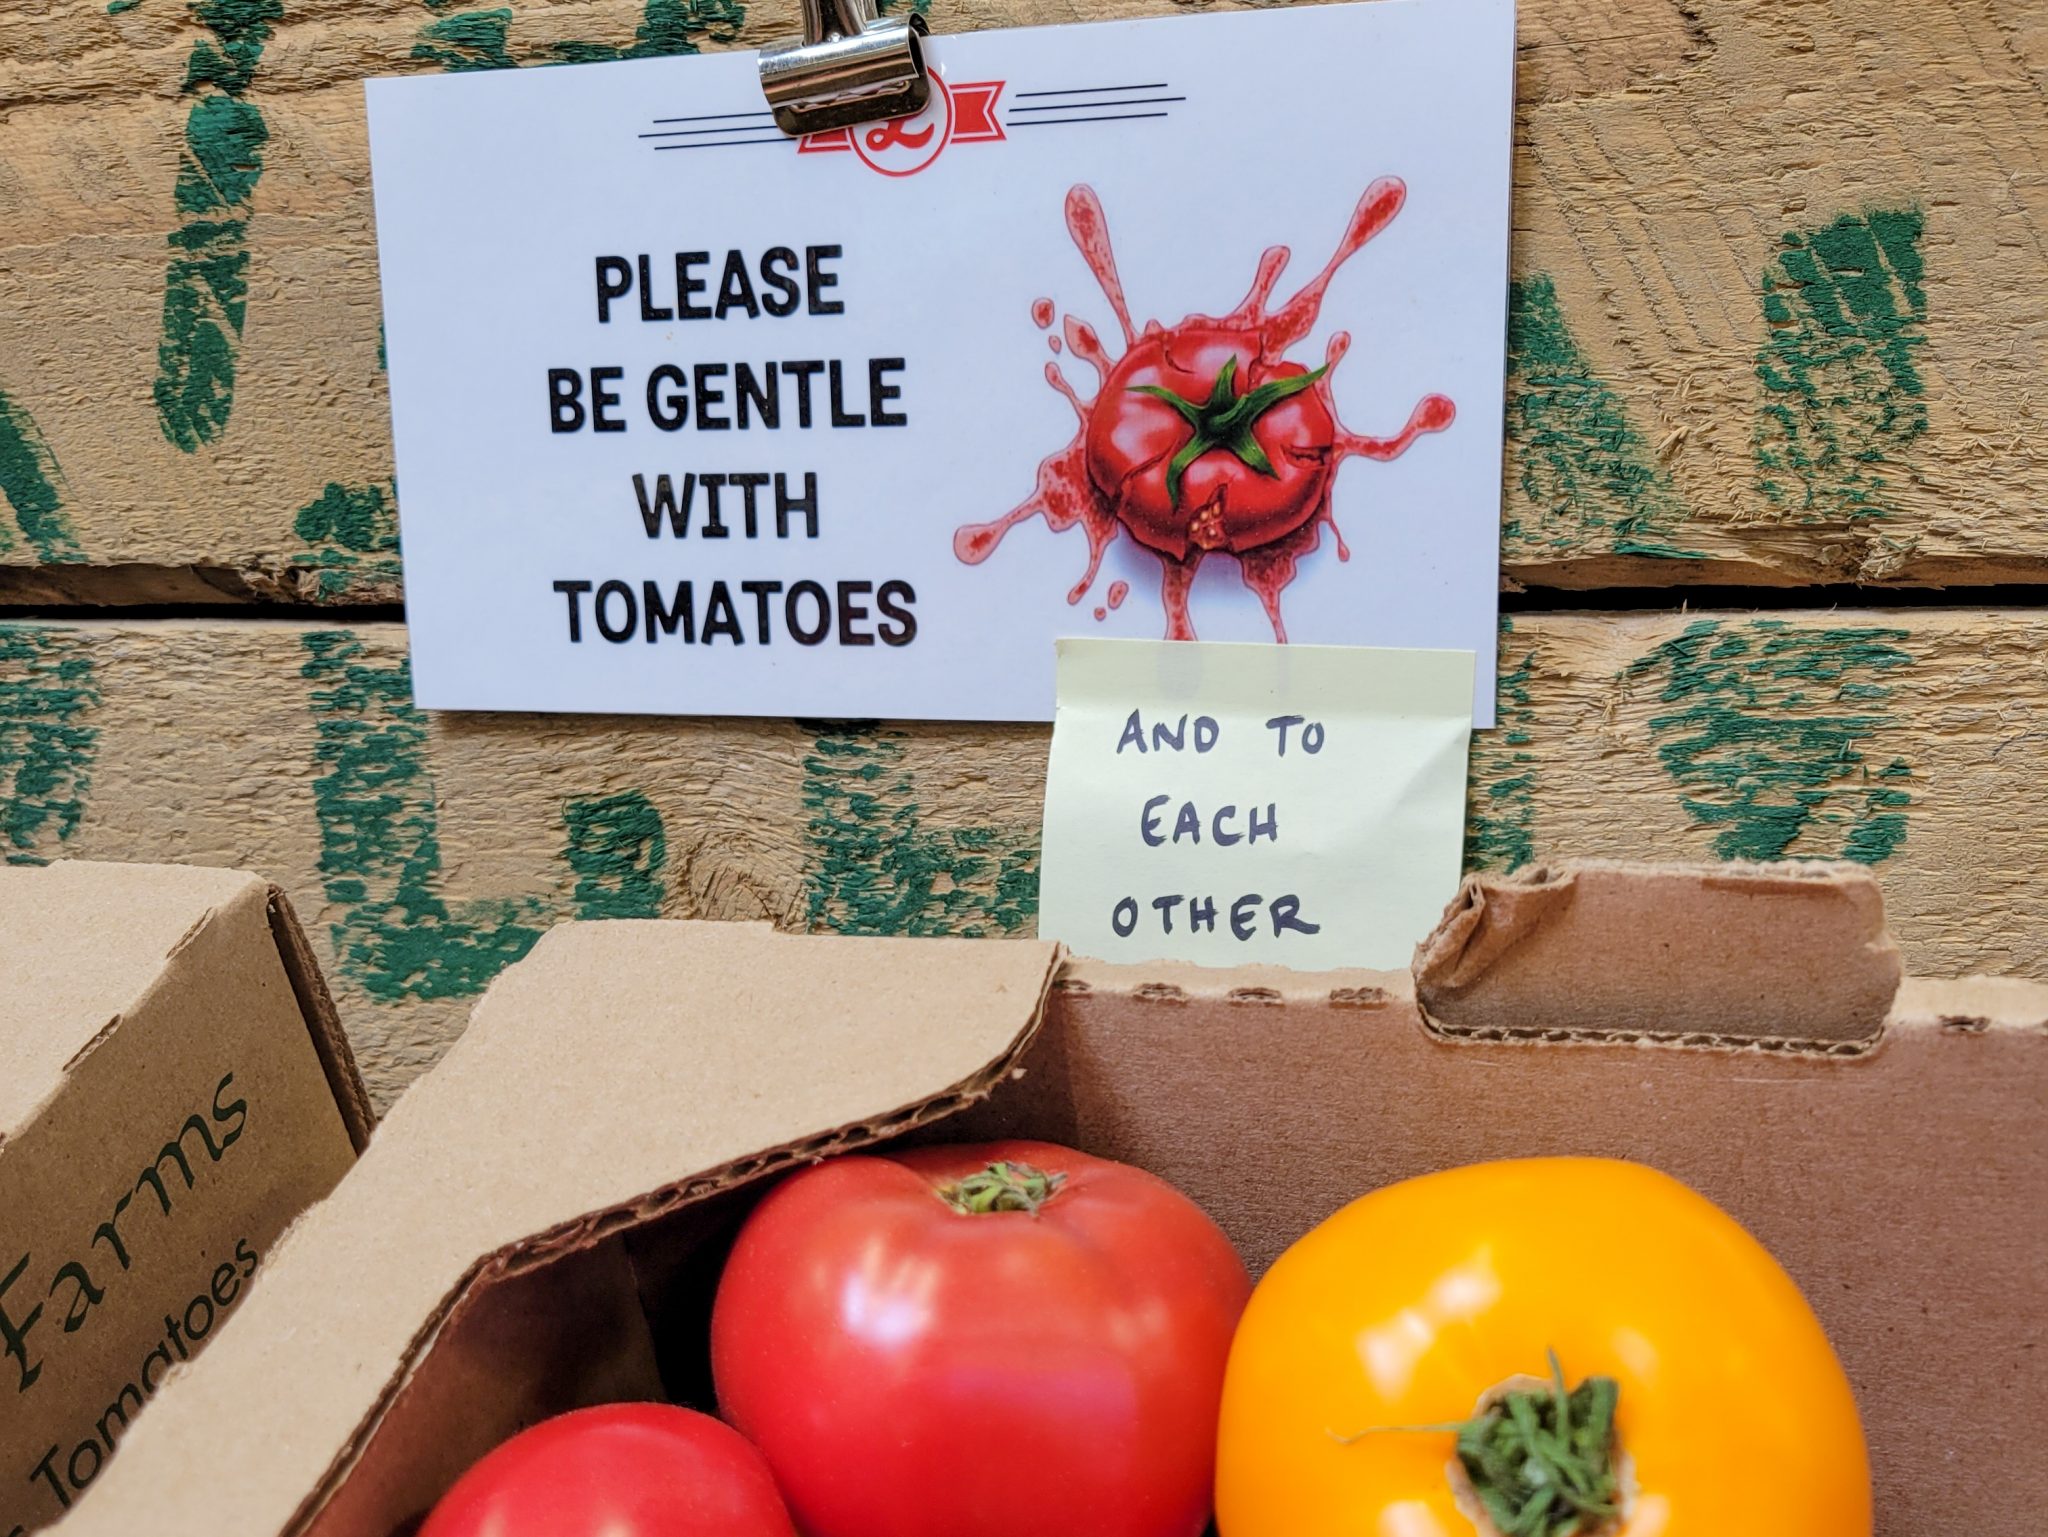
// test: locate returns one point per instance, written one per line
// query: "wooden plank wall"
(1778, 321)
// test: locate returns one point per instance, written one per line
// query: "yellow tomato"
(1411, 1306)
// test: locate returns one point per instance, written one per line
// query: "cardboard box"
(174, 1089)
(540, 1221)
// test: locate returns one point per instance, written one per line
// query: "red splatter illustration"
(1204, 437)
(1118, 591)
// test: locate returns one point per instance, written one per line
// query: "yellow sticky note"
(1290, 805)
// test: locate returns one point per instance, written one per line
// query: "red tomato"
(913, 1365)
(623, 1470)
(1200, 443)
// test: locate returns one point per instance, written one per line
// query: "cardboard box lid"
(85, 943)
(600, 1080)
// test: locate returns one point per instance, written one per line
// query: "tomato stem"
(1001, 1187)
(1225, 419)
(1541, 1461)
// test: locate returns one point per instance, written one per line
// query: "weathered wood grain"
(425, 853)
(1780, 307)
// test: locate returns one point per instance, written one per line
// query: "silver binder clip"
(851, 67)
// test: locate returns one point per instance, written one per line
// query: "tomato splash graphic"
(1204, 438)
(1118, 591)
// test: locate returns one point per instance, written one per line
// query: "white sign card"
(1189, 327)
(1300, 806)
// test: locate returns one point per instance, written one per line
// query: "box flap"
(83, 943)
(620, 1068)
(1665, 952)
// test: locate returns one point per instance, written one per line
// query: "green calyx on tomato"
(1225, 419)
(1541, 1460)
(1001, 1187)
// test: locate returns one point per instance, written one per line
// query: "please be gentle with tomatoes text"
(719, 500)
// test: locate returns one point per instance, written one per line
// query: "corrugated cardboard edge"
(323, 1023)
(593, 1227)
(1682, 954)
(1959, 1005)
(1171, 983)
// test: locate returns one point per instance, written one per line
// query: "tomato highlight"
(1382, 1378)
(622, 1470)
(1008, 1340)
